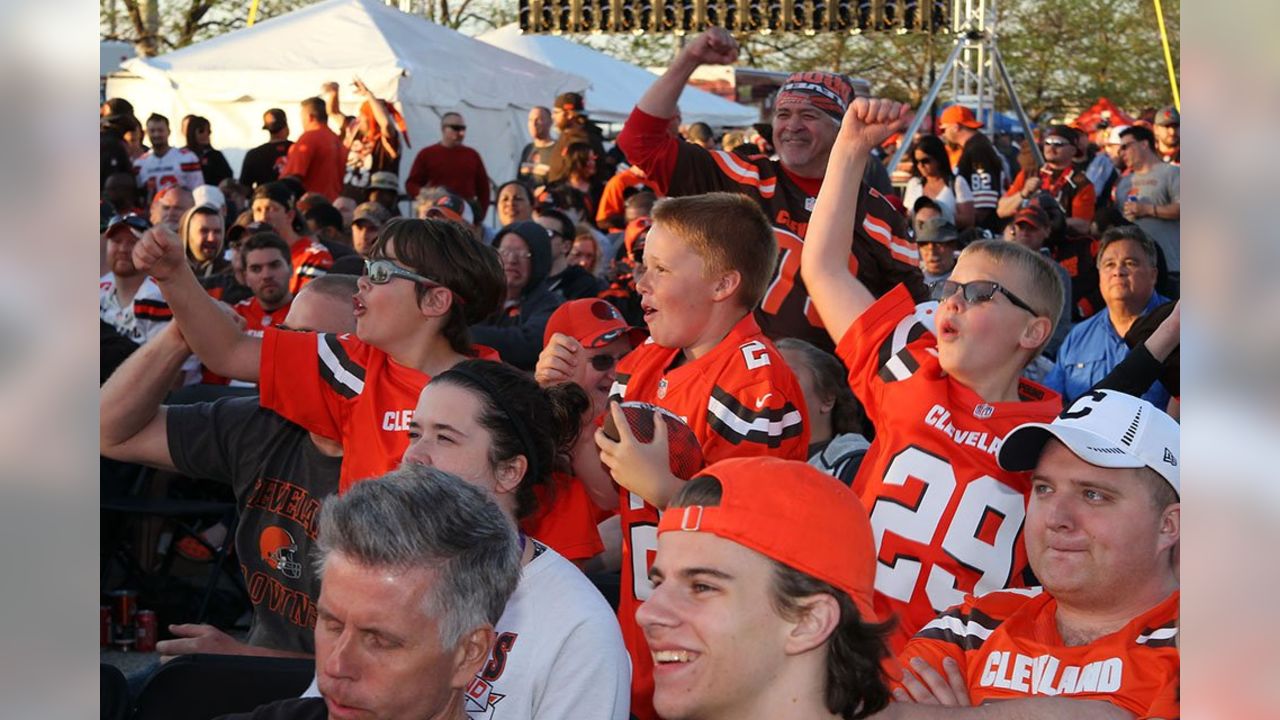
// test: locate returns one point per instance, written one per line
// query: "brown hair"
(446, 252)
(730, 232)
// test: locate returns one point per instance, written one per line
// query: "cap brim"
(600, 339)
(1021, 450)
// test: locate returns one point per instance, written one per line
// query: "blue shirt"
(1091, 350)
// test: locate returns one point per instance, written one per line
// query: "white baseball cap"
(1105, 428)
(209, 196)
(1114, 137)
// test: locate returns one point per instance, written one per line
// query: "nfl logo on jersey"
(983, 411)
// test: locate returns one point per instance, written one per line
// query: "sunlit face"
(453, 130)
(717, 642)
(513, 205)
(1126, 274)
(926, 165)
(320, 312)
(446, 433)
(597, 383)
(1167, 135)
(1058, 151)
(389, 312)
(169, 205)
(539, 124)
(973, 339)
(266, 273)
(158, 134)
(803, 136)
(1092, 533)
(378, 649)
(204, 236)
(584, 253)
(675, 293)
(363, 235)
(120, 252)
(950, 134)
(274, 214)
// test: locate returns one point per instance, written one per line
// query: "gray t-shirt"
(1157, 185)
(279, 478)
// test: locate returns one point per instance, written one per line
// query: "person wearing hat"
(1168, 139)
(582, 344)
(1113, 147)
(129, 300)
(1060, 177)
(569, 115)
(516, 330)
(368, 218)
(451, 164)
(808, 112)
(273, 204)
(263, 163)
(939, 244)
(977, 162)
(755, 611)
(1102, 533)
(1031, 228)
(384, 189)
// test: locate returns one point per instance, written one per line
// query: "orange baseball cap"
(636, 231)
(791, 512)
(959, 115)
(592, 322)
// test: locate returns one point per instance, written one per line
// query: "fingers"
(189, 630)
(938, 685)
(956, 681)
(659, 431)
(916, 690)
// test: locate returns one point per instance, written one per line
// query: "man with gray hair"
(417, 568)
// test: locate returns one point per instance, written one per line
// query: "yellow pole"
(1168, 56)
(253, 15)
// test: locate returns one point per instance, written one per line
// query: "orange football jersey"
(1007, 645)
(947, 519)
(739, 399)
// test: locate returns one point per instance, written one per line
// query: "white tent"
(424, 68)
(616, 85)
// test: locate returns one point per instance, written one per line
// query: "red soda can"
(147, 630)
(104, 625)
(124, 607)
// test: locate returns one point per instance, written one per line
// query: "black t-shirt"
(279, 478)
(362, 165)
(575, 283)
(309, 708)
(535, 163)
(264, 163)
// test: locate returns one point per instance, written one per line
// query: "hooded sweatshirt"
(516, 330)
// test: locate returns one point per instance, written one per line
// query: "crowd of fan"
(349, 321)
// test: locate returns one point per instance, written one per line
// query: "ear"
(817, 617)
(436, 302)
(726, 285)
(470, 655)
(1170, 527)
(1036, 333)
(827, 405)
(510, 473)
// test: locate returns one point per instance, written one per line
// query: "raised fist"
(159, 253)
(870, 121)
(713, 47)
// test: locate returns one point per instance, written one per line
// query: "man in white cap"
(1102, 534)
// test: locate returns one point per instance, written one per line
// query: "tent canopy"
(425, 69)
(1104, 108)
(615, 85)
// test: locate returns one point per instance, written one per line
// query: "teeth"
(670, 656)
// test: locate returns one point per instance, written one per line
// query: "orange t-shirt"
(1007, 645)
(566, 524)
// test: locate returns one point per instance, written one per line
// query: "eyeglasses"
(457, 128)
(1056, 143)
(603, 362)
(976, 291)
(381, 270)
(923, 160)
(515, 254)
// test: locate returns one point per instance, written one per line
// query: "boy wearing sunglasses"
(948, 519)
(426, 282)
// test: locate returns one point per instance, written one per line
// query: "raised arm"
(825, 263)
(131, 420)
(380, 115)
(214, 336)
(715, 46)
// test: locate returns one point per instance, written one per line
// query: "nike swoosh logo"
(760, 400)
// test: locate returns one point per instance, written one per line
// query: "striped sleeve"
(739, 423)
(878, 347)
(309, 378)
(952, 634)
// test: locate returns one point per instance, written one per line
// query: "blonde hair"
(1044, 290)
(728, 231)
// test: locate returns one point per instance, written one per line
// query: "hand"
(870, 121)
(642, 468)
(1133, 209)
(361, 89)
(193, 639)
(713, 47)
(561, 361)
(1031, 186)
(159, 253)
(926, 687)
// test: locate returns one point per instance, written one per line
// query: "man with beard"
(266, 271)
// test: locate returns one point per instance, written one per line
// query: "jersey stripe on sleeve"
(738, 423)
(336, 367)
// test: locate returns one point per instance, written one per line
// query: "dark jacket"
(516, 331)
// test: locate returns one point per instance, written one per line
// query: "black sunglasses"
(603, 363)
(458, 128)
(133, 220)
(976, 291)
